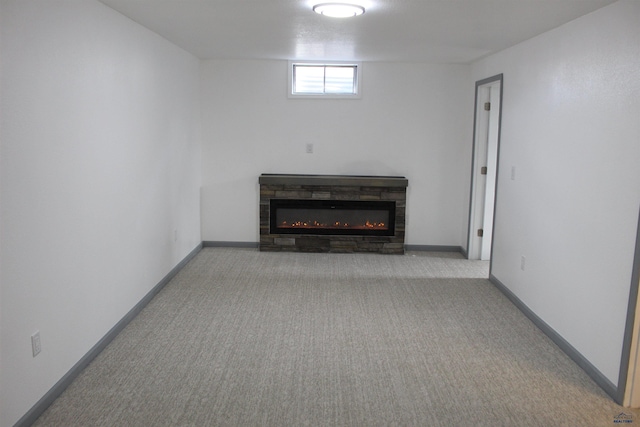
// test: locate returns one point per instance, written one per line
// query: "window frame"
(307, 95)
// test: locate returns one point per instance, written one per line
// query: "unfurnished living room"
(275, 213)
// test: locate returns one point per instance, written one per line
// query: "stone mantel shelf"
(334, 180)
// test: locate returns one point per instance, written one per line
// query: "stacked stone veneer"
(330, 187)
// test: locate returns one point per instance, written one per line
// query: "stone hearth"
(339, 188)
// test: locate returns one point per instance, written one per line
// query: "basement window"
(324, 80)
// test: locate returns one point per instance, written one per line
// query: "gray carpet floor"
(244, 338)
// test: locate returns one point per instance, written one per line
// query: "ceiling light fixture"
(338, 10)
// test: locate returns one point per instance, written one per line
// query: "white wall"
(413, 120)
(99, 166)
(571, 129)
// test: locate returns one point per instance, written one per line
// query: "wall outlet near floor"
(36, 347)
(309, 148)
(523, 261)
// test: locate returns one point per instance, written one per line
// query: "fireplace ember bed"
(332, 213)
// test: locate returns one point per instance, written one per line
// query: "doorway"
(484, 168)
(629, 379)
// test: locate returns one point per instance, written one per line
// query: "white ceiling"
(443, 31)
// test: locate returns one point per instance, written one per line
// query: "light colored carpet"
(244, 338)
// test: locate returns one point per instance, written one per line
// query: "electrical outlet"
(175, 235)
(523, 260)
(513, 173)
(310, 148)
(36, 347)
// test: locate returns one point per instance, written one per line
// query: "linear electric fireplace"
(338, 217)
(329, 213)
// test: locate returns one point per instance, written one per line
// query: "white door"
(485, 168)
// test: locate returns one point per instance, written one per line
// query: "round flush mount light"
(338, 10)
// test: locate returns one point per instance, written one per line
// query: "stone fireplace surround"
(333, 187)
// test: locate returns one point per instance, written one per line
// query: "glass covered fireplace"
(332, 217)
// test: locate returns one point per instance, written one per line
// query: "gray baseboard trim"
(429, 248)
(564, 345)
(221, 244)
(434, 248)
(32, 415)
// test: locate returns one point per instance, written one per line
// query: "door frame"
(629, 377)
(474, 196)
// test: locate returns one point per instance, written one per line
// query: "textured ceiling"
(444, 31)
